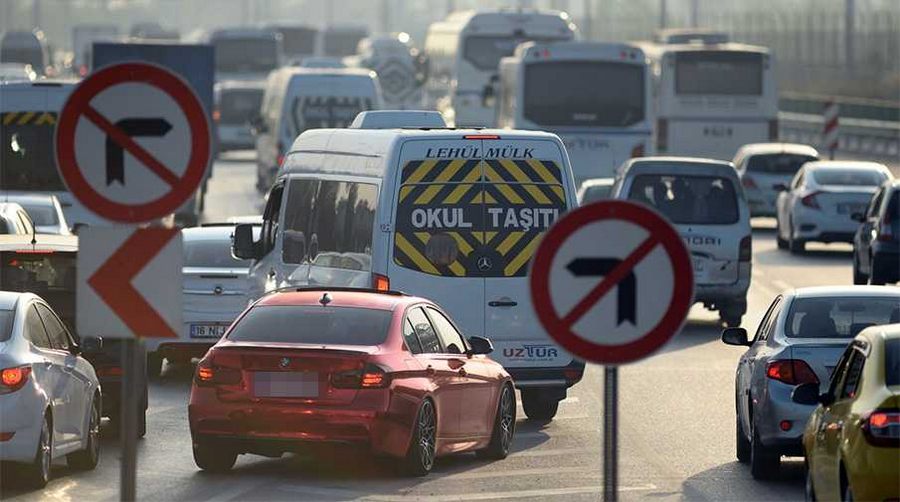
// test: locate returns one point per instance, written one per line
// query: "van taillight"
(746, 251)
(773, 129)
(381, 282)
(637, 151)
(662, 135)
(791, 372)
(882, 427)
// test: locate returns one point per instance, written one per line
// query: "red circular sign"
(79, 105)
(661, 233)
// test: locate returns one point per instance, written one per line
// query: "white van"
(297, 99)
(703, 200)
(453, 215)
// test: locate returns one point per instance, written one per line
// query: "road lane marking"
(540, 492)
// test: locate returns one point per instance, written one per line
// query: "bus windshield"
(718, 72)
(246, 55)
(485, 51)
(565, 93)
(27, 156)
(298, 40)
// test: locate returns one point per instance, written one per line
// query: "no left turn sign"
(612, 282)
(133, 142)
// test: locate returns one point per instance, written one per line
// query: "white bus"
(246, 53)
(595, 96)
(713, 98)
(464, 52)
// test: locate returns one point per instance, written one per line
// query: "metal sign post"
(610, 433)
(132, 388)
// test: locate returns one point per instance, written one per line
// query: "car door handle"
(429, 370)
(502, 303)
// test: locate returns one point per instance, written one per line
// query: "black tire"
(154, 365)
(37, 473)
(858, 277)
(538, 407)
(764, 461)
(742, 444)
(422, 448)
(88, 458)
(504, 427)
(211, 456)
(779, 240)
(809, 492)
(795, 246)
(877, 277)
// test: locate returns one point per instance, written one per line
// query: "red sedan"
(383, 369)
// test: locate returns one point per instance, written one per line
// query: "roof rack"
(343, 289)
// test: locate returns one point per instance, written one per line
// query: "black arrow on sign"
(597, 267)
(115, 154)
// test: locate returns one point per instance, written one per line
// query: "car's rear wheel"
(809, 492)
(88, 458)
(37, 473)
(764, 461)
(795, 245)
(420, 457)
(858, 276)
(504, 427)
(742, 444)
(537, 406)
(212, 456)
(878, 275)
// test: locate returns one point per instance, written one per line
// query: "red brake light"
(885, 232)
(211, 371)
(217, 115)
(746, 250)
(13, 379)
(374, 378)
(882, 427)
(810, 201)
(662, 135)
(109, 371)
(637, 151)
(791, 372)
(381, 282)
(481, 136)
(371, 376)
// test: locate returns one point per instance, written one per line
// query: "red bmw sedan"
(356, 366)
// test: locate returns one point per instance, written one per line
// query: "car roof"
(45, 242)
(674, 165)
(215, 232)
(8, 299)
(30, 198)
(884, 331)
(846, 291)
(845, 164)
(228, 85)
(597, 182)
(770, 148)
(339, 298)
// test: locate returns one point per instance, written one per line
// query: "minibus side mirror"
(243, 246)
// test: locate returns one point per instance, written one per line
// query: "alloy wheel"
(427, 432)
(44, 450)
(507, 418)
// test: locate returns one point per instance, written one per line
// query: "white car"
(49, 394)
(215, 293)
(821, 200)
(237, 105)
(762, 166)
(45, 211)
(14, 220)
(595, 189)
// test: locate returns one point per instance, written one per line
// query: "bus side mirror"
(243, 246)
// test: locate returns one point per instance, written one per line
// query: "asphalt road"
(676, 421)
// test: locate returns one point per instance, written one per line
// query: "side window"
(773, 321)
(270, 219)
(27, 225)
(297, 216)
(34, 329)
(875, 204)
(409, 335)
(424, 331)
(59, 337)
(762, 329)
(853, 374)
(449, 335)
(840, 370)
(798, 179)
(341, 225)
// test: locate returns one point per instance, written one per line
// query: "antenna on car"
(325, 300)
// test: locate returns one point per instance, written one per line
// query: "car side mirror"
(780, 187)
(860, 217)
(480, 345)
(91, 344)
(243, 246)
(808, 394)
(735, 336)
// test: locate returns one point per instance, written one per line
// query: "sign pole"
(132, 359)
(610, 433)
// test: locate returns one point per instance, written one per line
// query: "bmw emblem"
(285, 362)
(484, 264)
(218, 290)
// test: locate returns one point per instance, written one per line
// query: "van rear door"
(526, 191)
(439, 225)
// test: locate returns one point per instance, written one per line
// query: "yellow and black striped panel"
(37, 118)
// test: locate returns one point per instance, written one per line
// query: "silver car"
(44, 209)
(762, 166)
(799, 340)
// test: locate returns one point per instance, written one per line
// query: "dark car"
(876, 245)
(47, 268)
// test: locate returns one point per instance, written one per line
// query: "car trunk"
(822, 355)
(213, 291)
(844, 202)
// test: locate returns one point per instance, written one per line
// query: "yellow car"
(852, 440)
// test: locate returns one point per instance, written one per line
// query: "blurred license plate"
(285, 384)
(208, 330)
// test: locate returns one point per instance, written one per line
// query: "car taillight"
(210, 373)
(810, 201)
(108, 371)
(885, 229)
(773, 129)
(791, 372)
(662, 135)
(637, 151)
(370, 376)
(217, 115)
(13, 379)
(381, 282)
(746, 251)
(748, 182)
(882, 427)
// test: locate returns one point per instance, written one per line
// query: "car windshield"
(839, 317)
(315, 325)
(212, 254)
(848, 177)
(892, 362)
(50, 275)
(695, 200)
(26, 153)
(42, 215)
(779, 163)
(6, 322)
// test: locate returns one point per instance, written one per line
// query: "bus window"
(27, 153)
(714, 72)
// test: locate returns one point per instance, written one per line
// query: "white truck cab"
(453, 215)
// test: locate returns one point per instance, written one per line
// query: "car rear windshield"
(485, 51)
(694, 200)
(42, 215)
(892, 362)
(26, 152)
(48, 275)
(839, 317)
(315, 325)
(848, 177)
(211, 253)
(565, 93)
(779, 163)
(239, 106)
(6, 322)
